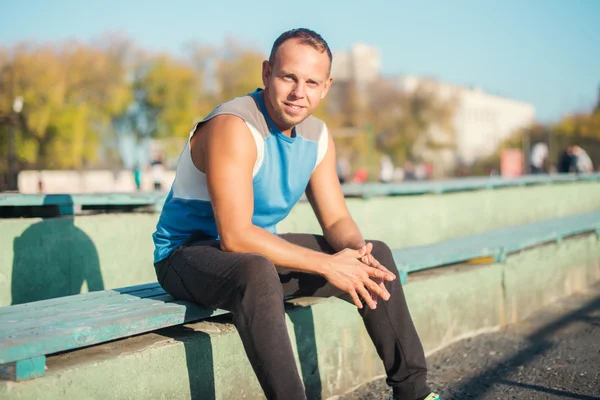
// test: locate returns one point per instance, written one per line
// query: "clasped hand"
(359, 274)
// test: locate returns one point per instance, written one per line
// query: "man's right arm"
(229, 157)
(230, 153)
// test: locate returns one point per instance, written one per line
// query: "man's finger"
(382, 286)
(355, 299)
(375, 288)
(375, 272)
(380, 267)
(371, 261)
(359, 253)
(366, 296)
(373, 296)
(390, 276)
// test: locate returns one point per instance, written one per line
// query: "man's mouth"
(293, 107)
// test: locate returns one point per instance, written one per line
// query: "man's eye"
(312, 83)
(288, 78)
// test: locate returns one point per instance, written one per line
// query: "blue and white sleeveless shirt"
(281, 173)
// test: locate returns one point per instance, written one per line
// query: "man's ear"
(328, 83)
(266, 73)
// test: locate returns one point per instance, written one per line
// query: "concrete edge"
(334, 352)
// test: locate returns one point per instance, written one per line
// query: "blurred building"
(362, 63)
(481, 120)
(354, 70)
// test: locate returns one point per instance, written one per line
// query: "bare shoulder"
(222, 126)
(222, 136)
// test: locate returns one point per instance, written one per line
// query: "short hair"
(305, 36)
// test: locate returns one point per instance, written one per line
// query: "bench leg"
(403, 276)
(23, 370)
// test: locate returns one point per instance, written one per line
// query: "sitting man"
(243, 169)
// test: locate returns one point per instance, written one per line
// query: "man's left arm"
(325, 195)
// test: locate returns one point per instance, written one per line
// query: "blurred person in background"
(583, 162)
(157, 170)
(242, 170)
(420, 172)
(566, 161)
(398, 174)
(409, 172)
(137, 177)
(538, 158)
(360, 175)
(386, 169)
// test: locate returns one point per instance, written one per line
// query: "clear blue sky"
(546, 52)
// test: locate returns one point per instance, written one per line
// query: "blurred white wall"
(99, 181)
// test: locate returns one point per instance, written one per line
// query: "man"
(245, 166)
(566, 162)
(583, 162)
(538, 157)
(157, 169)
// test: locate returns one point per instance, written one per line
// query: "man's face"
(295, 84)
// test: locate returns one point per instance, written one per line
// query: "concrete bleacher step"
(29, 332)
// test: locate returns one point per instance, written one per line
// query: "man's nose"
(299, 90)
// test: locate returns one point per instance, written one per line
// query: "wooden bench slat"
(84, 199)
(75, 334)
(53, 311)
(70, 312)
(494, 243)
(20, 308)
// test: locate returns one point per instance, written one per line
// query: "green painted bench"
(25, 205)
(368, 190)
(496, 244)
(29, 332)
(69, 204)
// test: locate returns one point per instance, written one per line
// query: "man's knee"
(260, 274)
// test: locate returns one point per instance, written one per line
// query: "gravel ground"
(555, 354)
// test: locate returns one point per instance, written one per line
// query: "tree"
(415, 125)
(163, 106)
(68, 90)
(166, 91)
(238, 72)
